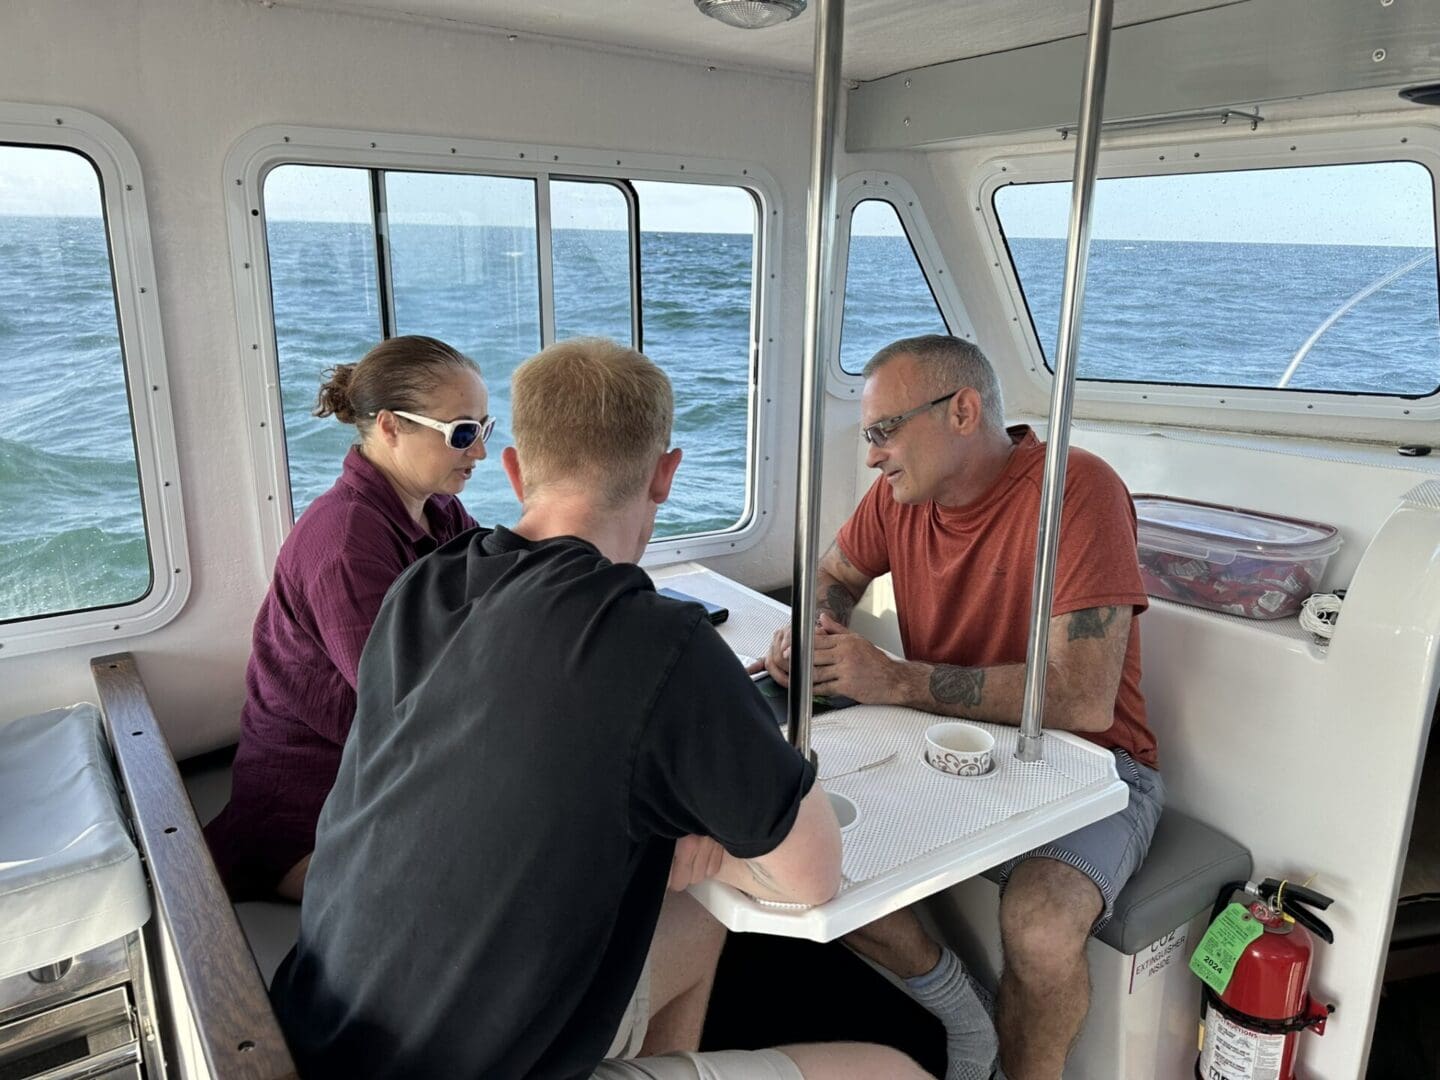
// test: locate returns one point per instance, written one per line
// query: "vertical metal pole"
(819, 246)
(545, 259)
(1057, 448)
(380, 219)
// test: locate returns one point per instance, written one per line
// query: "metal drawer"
(82, 1040)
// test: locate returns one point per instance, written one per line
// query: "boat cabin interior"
(206, 204)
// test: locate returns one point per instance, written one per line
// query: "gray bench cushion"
(1187, 863)
(70, 877)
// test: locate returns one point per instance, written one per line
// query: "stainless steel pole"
(1062, 396)
(819, 264)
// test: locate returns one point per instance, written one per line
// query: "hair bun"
(334, 397)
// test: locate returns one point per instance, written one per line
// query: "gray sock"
(948, 993)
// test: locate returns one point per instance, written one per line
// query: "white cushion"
(70, 877)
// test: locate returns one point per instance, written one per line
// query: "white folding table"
(919, 830)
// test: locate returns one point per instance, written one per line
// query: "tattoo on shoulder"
(1091, 623)
(840, 554)
(957, 685)
(839, 603)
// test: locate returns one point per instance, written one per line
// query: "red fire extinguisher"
(1251, 1027)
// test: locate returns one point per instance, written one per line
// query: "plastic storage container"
(1241, 562)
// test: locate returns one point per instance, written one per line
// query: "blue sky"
(1386, 203)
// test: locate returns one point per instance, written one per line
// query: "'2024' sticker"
(1220, 949)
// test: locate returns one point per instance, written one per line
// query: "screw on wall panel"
(142, 288)
(1378, 55)
(372, 146)
(247, 266)
(58, 120)
(907, 121)
(129, 187)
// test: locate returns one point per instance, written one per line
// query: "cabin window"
(92, 533)
(887, 295)
(357, 254)
(1317, 278)
(592, 245)
(73, 535)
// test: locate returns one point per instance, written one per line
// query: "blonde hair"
(593, 412)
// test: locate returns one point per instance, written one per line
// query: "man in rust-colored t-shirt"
(953, 518)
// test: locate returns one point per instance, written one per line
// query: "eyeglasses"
(879, 433)
(459, 434)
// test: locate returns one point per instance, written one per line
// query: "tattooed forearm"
(1091, 623)
(957, 685)
(839, 603)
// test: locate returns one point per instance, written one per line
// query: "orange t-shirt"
(963, 573)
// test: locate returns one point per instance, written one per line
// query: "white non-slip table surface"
(919, 830)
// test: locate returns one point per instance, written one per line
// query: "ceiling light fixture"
(751, 14)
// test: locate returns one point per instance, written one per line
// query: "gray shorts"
(1111, 849)
(622, 1064)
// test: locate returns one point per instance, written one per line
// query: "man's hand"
(777, 660)
(847, 664)
(696, 858)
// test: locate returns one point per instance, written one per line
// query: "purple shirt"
(335, 567)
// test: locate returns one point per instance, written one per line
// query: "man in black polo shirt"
(541, 743)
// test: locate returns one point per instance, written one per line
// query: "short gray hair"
(949, 363)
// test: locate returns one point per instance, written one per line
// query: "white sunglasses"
(459, 434)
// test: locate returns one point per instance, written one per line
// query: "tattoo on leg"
(957, 685)
(839, 603)
(1091, 623)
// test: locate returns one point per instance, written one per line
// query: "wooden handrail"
(237, 1029)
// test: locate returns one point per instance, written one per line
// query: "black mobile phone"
(714, 612)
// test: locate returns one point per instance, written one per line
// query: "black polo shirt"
(535, 728)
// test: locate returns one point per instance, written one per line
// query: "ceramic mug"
(959, 749)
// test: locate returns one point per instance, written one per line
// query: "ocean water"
(71, 530)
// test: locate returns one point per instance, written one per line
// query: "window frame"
(889, 188)
(132, 266)
(262, 149)
(1188, 153)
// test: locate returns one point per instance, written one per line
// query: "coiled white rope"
(1319, 614)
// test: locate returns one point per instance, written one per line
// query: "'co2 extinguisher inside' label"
(1233, 1053)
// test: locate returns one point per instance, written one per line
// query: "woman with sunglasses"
(420, 410)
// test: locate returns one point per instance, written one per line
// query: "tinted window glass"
(319, 228)
(1318, 278)
(697, 259)
(72, 527)
(590, 245)
(886, 294)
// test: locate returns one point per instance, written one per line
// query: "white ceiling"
(881, 36)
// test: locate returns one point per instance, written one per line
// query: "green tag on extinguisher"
(1220, 949)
